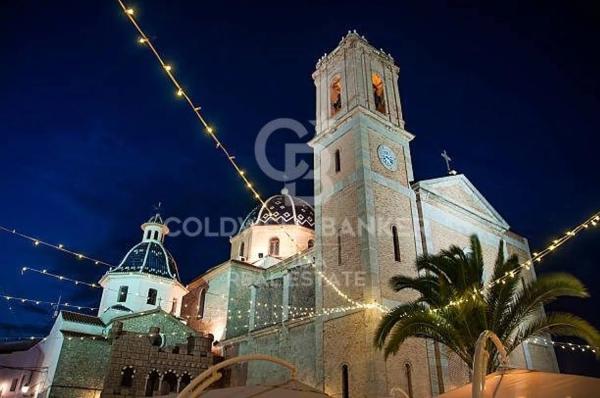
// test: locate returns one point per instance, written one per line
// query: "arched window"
(122, 294)
(155, 235)
(152, 293)
(184, 381)
(311, 243)
(201, 300)
(335, 95)
(339, 246)
(396, 243)
(345, 382)
(242, 247)
(408, 372)
(169, 383)
(152, 382)
(337, 160)
(174, 307)
(378, 93)
(127, 375)
(274, 247)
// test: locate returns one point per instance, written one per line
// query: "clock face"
(387, 157)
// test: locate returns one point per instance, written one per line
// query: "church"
(296, 272)
(302, 282)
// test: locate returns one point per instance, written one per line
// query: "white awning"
(523, 383)
(289, 389)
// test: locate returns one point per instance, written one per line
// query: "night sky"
(93, 135)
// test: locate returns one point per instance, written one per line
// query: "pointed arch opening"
(184, 381)
(152, 382)
(169, 383)
(127, 375)
(335, 95)
(378, 92)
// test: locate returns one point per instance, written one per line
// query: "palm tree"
(511, 309)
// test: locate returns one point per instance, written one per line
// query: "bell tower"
(354, 75)
(367, 226)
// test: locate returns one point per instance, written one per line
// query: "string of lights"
(565, 346)
(59, 277)
(60, 246)
(168, 69)
(40, 302)
(83, 283)
(537, 257)
(219, 145)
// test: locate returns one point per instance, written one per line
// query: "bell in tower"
(356, 75)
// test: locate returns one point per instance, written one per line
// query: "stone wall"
(81, 367)
(155, 367)
(269, 300)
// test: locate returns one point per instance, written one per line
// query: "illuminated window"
(338, 161)
(274, 247)
(335, 95)
(345, 382)
(152, 293)
(378, 93)
(408, 372)
(201, 300)
(122, 294)
(396, 243)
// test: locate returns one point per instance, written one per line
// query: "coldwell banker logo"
(295, 169)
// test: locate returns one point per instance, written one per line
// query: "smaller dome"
(150, 255)
(282, 209)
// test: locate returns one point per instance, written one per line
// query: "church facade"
(295, 272)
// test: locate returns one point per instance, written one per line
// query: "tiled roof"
(150, 258)
(81, 318)
(281, 210)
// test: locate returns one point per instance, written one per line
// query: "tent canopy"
(289, 389)
(523, 383)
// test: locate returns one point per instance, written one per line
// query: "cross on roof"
(448, 159)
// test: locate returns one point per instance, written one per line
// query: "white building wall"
(169, 292)
(43, 355)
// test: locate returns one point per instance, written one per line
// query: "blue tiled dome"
(150, 258)
(281, 209)
(150, 255)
